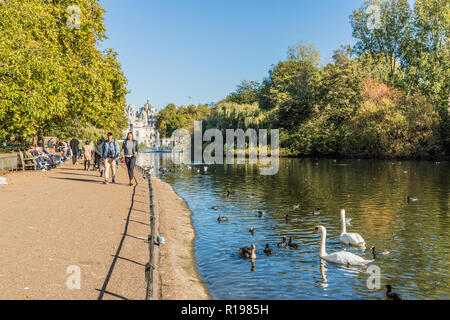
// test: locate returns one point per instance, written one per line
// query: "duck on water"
(248, 253)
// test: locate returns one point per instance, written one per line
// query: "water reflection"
(374, 196)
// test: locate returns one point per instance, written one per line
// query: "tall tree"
(382, 31)
(51, 69)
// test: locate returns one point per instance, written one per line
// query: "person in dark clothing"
(74, 145)
(99, 161)
(40, 142)
(130, 151)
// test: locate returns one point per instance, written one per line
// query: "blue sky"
(191, 51)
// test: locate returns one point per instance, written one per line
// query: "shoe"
(113, 181)
(106, 182)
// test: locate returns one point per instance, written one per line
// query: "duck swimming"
(252, 196)
(392, 295)
(222, 219)
(296, 207)
(283, 243)
(341, 257)
(252, 231)
(292, 245)
(316, 212)
(229, 192)
(215, 208)
(411, 199)
(260, 214)
(248, 253)
(376, 252)
(347, 237)
(289, 219)
(267, 250)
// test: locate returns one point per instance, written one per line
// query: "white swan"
(341, 257)
(349, 238)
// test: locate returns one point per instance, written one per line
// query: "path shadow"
(145, 224)
(78, 180)
(80, 174)
(129, 260)
(72, 169)
(138, 210)
(119, 248)
(112, 294)
(135, 237)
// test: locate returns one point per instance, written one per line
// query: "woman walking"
(130, 150)
(87, 156)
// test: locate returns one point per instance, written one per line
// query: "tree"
(246, 93)
(51, 70)
(387, 38)
(293, 86)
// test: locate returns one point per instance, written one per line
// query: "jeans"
(130, 162)
(87, 164)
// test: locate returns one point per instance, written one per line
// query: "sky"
(198, 51)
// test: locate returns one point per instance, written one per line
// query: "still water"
(373, 193)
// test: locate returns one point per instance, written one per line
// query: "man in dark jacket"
(74, 145)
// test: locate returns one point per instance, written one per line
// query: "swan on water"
(349, 238)
(341, 257)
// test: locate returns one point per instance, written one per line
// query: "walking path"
(66, 218)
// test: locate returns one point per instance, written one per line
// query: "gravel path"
(67, 220)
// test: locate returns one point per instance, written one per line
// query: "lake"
(372, 192)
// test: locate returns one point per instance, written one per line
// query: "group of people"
(44, 159)
(106, 155)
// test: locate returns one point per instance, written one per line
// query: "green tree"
(51, 69)
(294, 86)
(382, 31)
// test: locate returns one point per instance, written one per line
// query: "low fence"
(149, 267)
(9, 161)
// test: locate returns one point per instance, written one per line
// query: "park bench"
(27, 163)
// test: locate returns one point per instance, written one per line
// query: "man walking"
(110, 153)
(74, 146)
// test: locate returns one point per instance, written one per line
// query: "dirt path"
(66, 218)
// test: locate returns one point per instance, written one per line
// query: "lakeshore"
(55, 222)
